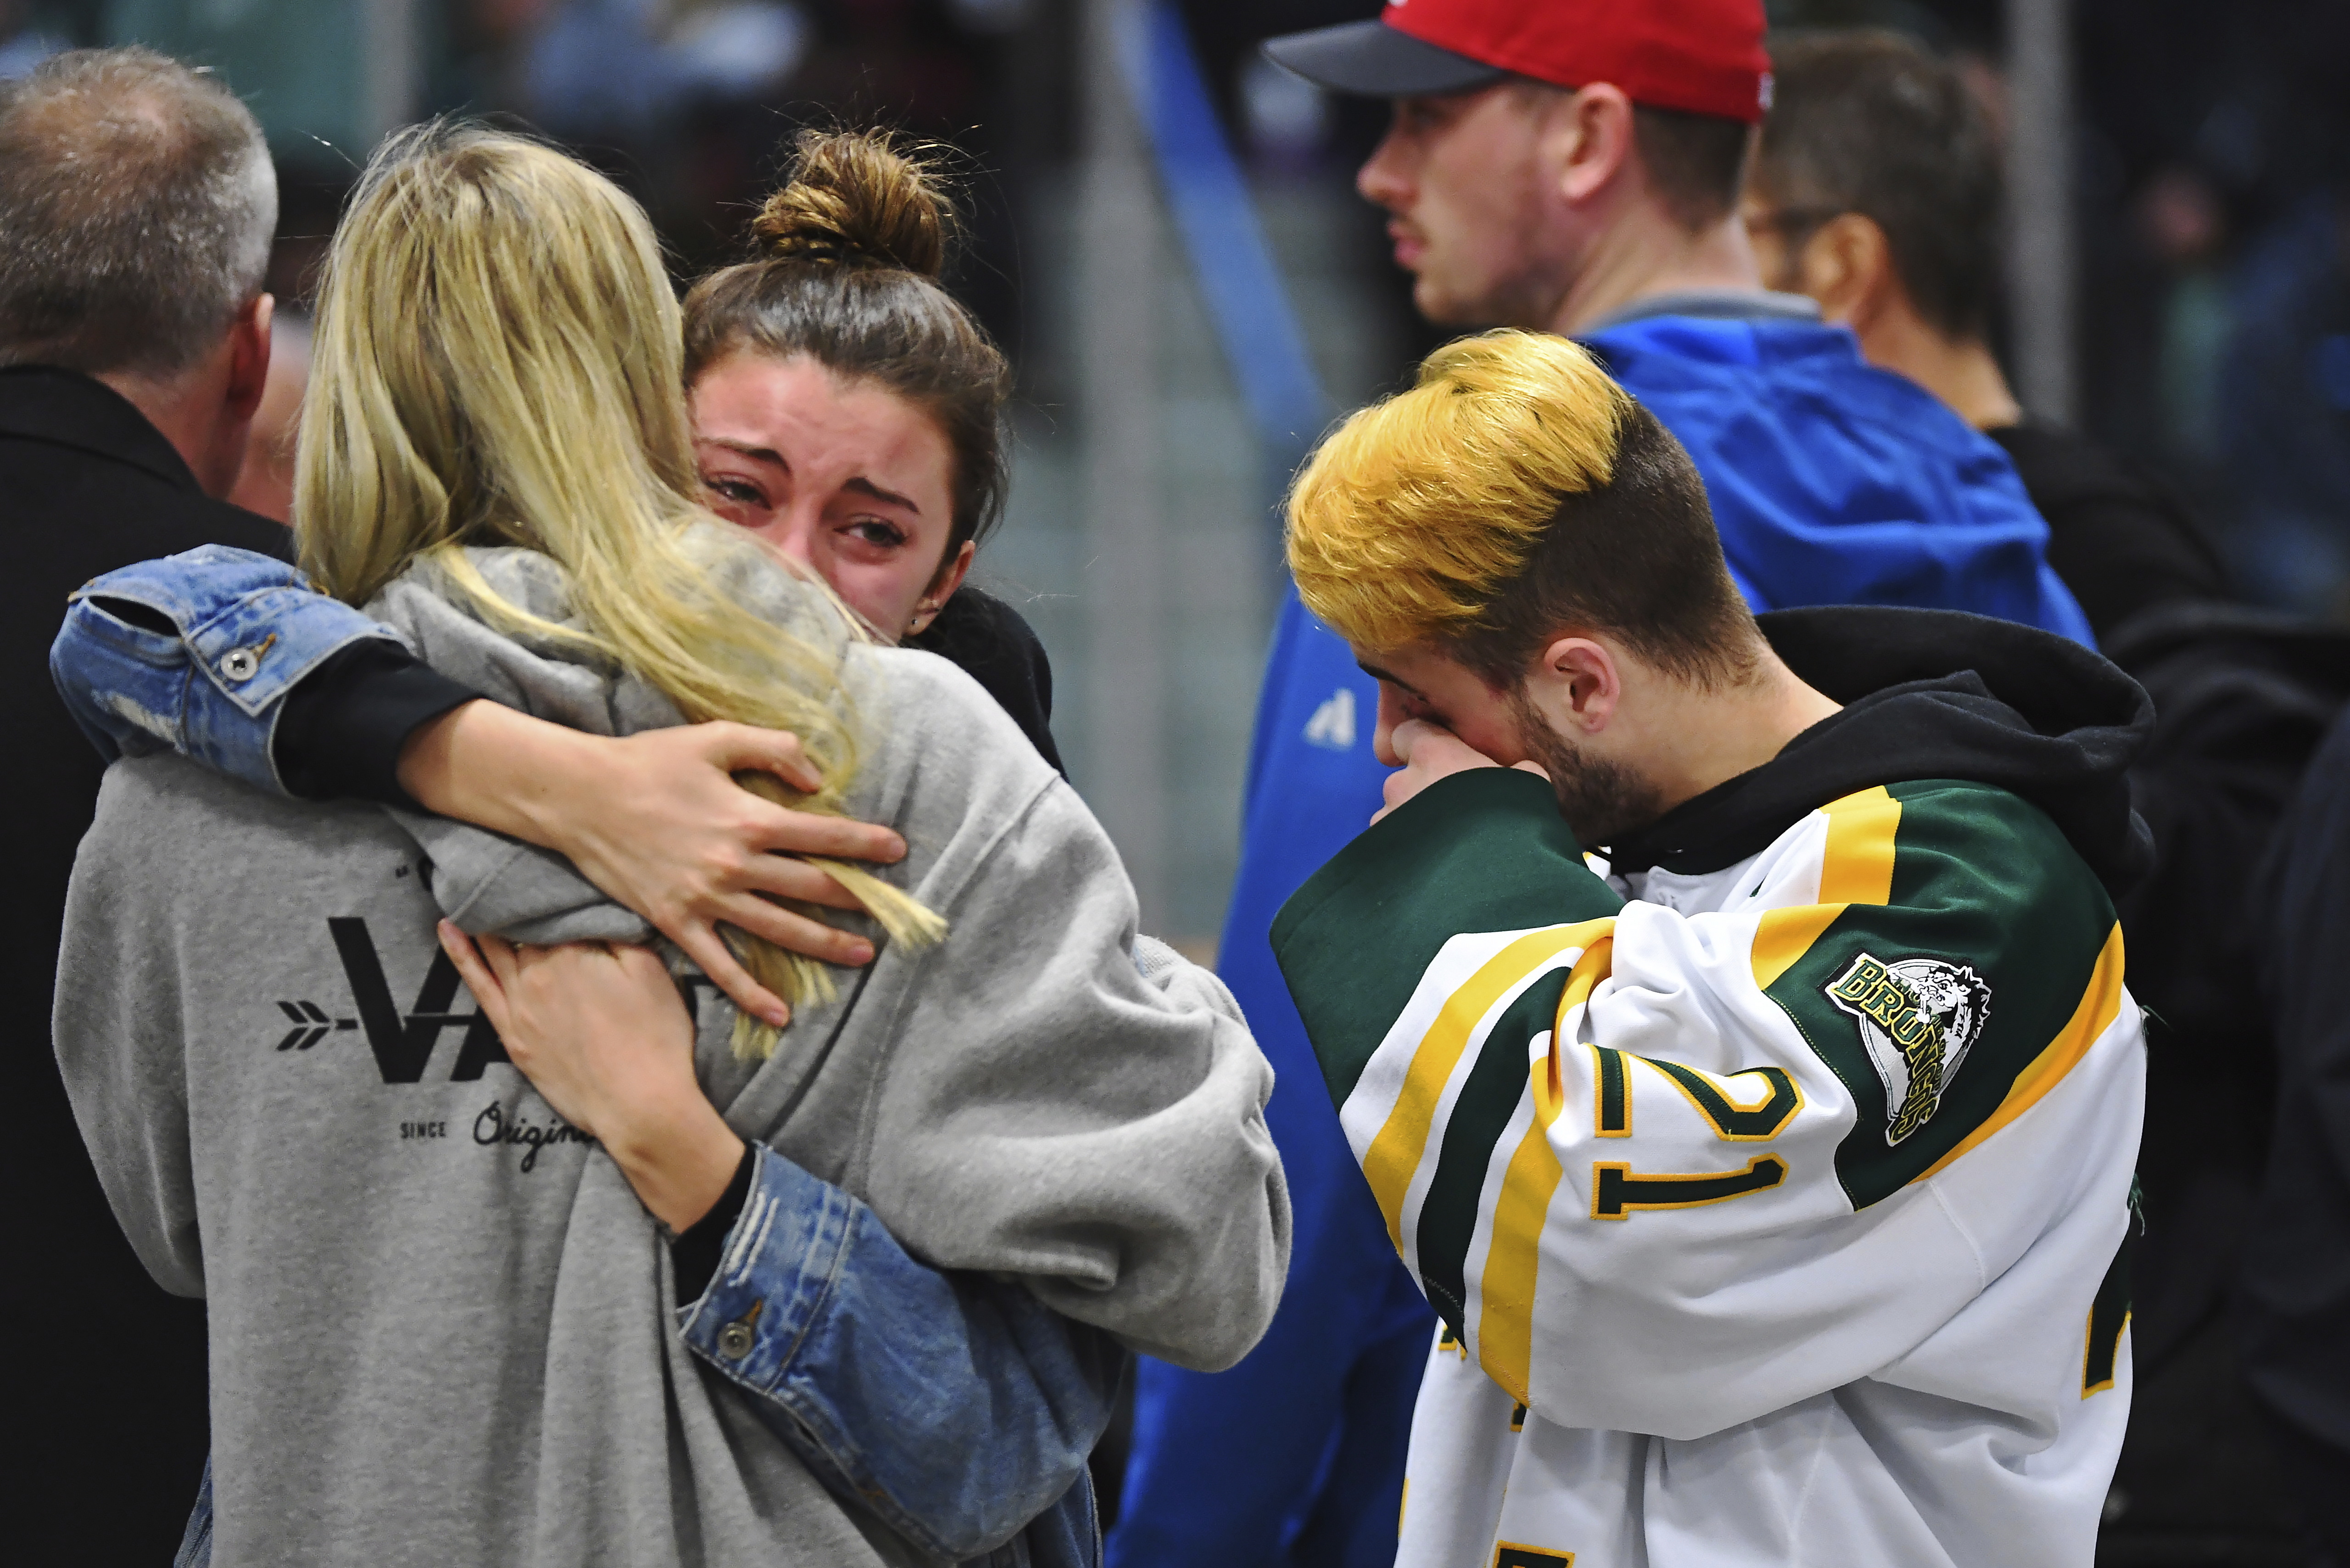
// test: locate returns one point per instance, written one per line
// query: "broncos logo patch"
(1918, 1019)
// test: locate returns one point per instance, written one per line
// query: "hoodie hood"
(1930, 694)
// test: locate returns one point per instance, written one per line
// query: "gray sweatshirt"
(441, 1320)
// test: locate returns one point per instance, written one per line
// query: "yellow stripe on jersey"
(2100, 1005)
(1855, 868)
(1505, 1320)
(1395, 1151)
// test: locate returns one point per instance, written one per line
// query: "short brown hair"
(1512, 494)
(137, 206)
(1868, 122)
(854, 244)
(1696, 162)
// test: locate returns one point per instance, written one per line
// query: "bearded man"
(1771, 1168)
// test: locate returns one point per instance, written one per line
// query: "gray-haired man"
(137, 207)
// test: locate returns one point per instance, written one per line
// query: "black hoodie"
(1931, 695)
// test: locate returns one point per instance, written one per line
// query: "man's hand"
(1429, 752)
(657, 821)
(602, 1033)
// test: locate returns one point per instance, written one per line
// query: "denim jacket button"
(735, 1341)
(240, 664)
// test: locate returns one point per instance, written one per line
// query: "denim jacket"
(842, 1342)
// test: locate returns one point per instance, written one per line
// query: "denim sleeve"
(956, 1406)
(246, 630)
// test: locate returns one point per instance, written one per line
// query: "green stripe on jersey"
(1480, 851)
(1491, 1095)
(1951, 989)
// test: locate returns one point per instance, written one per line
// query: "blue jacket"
(952, 1407)
(1832, 482)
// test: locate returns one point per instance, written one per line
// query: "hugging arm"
(231, 659)
(957, 1407)
(1074, 1104)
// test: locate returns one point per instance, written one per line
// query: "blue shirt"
(1832, 482)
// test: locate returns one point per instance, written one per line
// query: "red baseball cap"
(1702, 56)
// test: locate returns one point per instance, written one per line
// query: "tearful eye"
(878, 532)
(735, 490)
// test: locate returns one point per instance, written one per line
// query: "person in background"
(1572, 167)
(134, 348)
(2294, 1294)
(266, 486)
(1876, 191)
(2284, 404)
(2183, 223)
(23, 46)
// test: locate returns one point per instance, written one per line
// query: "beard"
(1602, 799)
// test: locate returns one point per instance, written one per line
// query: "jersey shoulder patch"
(1973, 954)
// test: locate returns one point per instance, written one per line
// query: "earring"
(923, 614)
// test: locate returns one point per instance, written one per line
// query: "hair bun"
(857, 198)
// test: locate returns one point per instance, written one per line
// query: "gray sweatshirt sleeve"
(118, 1026)
(1061, 1116)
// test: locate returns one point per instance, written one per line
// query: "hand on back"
(658, 820)
(666, 830)
(600, 1032)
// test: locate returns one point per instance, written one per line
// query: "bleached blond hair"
(496, 361)
(1514, 491)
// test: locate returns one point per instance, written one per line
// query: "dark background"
(2212, 150)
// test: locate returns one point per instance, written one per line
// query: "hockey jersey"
(1833, 482)
(1773, 1178)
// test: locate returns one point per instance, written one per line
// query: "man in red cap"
(1551, 163)
(1571, 166)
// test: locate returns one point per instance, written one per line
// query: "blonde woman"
(435, 1302)
(849, 412)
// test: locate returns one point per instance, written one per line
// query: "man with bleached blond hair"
(1770, 1169)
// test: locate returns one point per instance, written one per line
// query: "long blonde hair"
(496, 361)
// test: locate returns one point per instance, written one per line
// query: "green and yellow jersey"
(1775, 1212)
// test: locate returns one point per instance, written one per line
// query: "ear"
(951, 572)
(1587, 137)
(1848, 266)
(1576, 682)
(248, 366)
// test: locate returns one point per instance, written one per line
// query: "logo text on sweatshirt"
(401, 1042)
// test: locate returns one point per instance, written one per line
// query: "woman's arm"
(1065, 1100)
(657, 821)
(231, 659)
(957, 1407)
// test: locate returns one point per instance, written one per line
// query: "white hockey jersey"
(1776, 1216)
